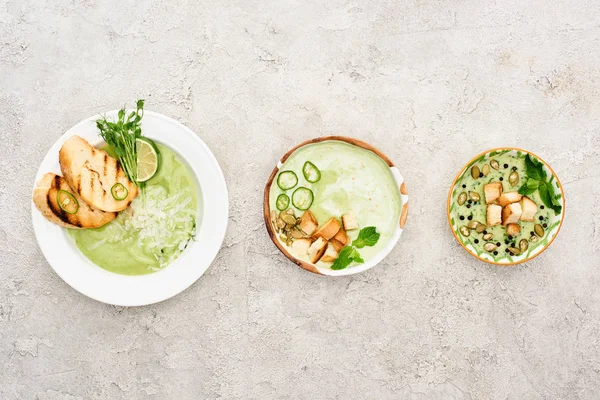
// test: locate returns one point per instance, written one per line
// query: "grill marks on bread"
(93, 173)
(45, 198)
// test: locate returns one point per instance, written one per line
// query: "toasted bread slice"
(330, 254)
(509, 198)
(337, 245)
(316, 250)
(494, 215)
(328, 230)
(513, 230)
(308, 223)
(45, 198)
(492, 191)
(529, 209)
(341, 237)
(92, 173)
(511, 213)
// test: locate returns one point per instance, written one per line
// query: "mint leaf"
(529, 187)
(348, 255)
(555, 204)
(366, 237)
(534, 168)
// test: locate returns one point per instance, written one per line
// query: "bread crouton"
(300, 247)
(492, 191)
(494, 215)
(529, 209)
(316, 250)
(308, 223)
(330, 254)
(337, 245)
(349, 221)
(342, 237)
(328, 230)
(509, 198)
(511, 213)
(513, 230)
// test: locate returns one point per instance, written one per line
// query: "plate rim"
(148, 300)
(379, 256)
(462, 171)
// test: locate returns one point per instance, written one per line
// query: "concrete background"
(432, 83)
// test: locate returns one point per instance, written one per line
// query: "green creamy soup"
(462, 215)
(154, 230)
(353, 180)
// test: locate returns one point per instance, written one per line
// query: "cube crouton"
(316, 250)
(337, 245)
(513, 230)
(341, 237)
(494, 215)
(492, 191)
(511, 213)
(330, 254)
(300, 247)
(328, 230)
(529, 209)
(349, 221)
(308, 223)
(509, 198)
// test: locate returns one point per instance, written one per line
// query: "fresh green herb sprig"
(121, 135)
(366, 237)
(537, 180)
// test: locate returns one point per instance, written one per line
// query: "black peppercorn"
(501, 179)
(484, 232)
(468, 206)
(541, 218)
(495, 253)
(476, 241)
(481, 174)
(469, 201)
(506, 250)
(498, 244)
(470, 217)
(514, 168)
(462, 217)
(464, 186)
(506, 242)
(505, 165)
(532, 233)
(545, 225)
(542, 207)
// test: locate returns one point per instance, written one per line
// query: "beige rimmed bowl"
(354, 269)
(556, 224)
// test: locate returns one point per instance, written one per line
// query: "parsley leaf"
(348, 255)
(366, 237)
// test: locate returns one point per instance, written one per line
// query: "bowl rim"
(462, 171)
(356, 142)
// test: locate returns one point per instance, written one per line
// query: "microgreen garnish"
(536, 180)
(121, 135)
(366, 237)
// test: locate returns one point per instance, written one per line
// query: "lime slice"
(148, 159)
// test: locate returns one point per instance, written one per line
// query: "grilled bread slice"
(45, 198)
(92, 173)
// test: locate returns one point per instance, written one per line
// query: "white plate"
(108, 287)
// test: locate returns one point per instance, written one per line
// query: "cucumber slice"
(311, 172)
(287, 180)
(302, 198)
(283, 201)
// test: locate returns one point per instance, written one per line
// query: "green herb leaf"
(534, 168)
(529, 187)
(348, 255)
(366, 237)
(549, 198)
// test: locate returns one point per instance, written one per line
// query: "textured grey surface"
(430, 82)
